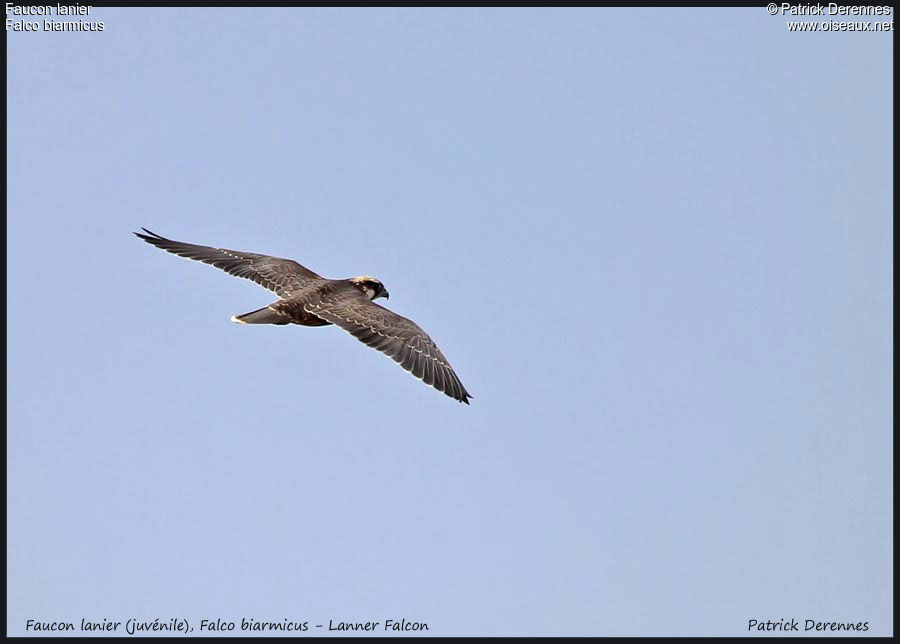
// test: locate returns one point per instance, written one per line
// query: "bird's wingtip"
(148, 234)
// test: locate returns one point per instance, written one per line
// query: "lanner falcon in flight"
(312, 300)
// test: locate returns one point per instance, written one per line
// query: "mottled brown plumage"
(309, 299)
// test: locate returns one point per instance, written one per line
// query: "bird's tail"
(264, 315)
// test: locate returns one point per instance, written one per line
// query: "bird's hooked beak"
(385, 294)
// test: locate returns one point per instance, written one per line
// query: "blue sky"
(656, 245)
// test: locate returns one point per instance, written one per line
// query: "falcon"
(309, 299)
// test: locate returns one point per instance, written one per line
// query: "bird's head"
(372, 287)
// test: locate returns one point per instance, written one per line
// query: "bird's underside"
(309, 299)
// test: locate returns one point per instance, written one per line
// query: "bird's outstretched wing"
(394, 335)
(283, 276)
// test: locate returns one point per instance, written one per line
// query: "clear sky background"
(656, 245)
